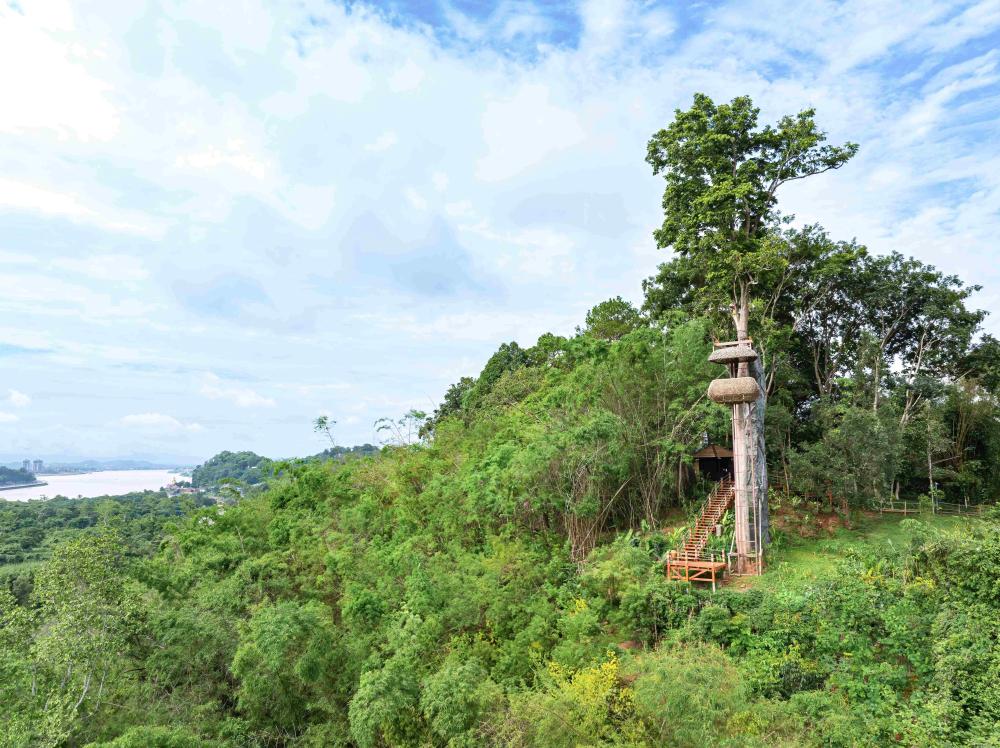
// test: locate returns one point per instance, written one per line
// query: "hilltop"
(494, 574)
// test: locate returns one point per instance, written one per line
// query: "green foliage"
(288, 664)
(612, 319)
(156, 737)
(458, 698)
(28, 529)
(387, 602)
(508, 358)
(240, 467)
(722, 172)
(74, 649)
(856, 459)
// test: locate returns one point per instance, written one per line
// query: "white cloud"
(18, 399)
(310, 390)
(407, 77)
(521, 130)
(383, 142)
(117, 267)
(215, 388)
(604, 22)
(440, 181)
(46, 86)
(233, 155)
(24, 196)
(8, 417)
(158, 421)
(415, 199)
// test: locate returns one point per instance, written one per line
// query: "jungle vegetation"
(492, 576)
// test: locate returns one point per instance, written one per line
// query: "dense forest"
(493, 576)
(30, 530)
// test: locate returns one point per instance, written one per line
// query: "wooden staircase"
(690, 562)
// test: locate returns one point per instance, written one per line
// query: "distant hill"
(243, 467)
(253, 469)
(56, 466)
(342, 453)
(113, 465)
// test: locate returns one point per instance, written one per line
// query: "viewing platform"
(705, 569)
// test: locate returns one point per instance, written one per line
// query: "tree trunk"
(760, 455)
(743, 534)
(755, 446)
(749, 457)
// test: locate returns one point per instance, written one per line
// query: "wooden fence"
(899, 506)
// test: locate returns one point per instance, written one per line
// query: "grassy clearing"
(797, 562)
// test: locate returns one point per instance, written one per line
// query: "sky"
(221, 220)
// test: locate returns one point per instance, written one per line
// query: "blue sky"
(219, 220)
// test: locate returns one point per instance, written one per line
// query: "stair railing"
(723, 485)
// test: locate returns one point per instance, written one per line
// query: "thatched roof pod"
(732, 354)
(734, 390)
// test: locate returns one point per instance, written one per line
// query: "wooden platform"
(696, 570)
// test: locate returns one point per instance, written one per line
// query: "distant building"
(26, 465)
(36, 466)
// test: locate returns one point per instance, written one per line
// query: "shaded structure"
(714, 462)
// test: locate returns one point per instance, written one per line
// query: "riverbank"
(24, 485)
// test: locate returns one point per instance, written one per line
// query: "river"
(101, 483)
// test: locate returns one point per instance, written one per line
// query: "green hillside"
(494, 575)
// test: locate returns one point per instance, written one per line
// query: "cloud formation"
(334, 207)
(157, 421)
(215, 388)
(18, 399)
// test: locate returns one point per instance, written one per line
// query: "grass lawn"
(797, 562)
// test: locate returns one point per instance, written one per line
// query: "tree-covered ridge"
(354, 605)
(12, 477)
(246, 468)
(336, 452)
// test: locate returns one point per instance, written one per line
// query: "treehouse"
(714, 462)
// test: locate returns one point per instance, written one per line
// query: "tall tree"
(722, 174)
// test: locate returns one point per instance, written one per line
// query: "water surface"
(102, 483)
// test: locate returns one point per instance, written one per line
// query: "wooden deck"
(695, 570)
